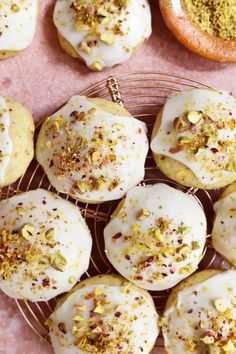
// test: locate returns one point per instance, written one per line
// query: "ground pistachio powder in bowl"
(216, 17)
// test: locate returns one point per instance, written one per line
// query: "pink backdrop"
(44, 77)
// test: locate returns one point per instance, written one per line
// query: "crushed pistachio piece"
(20, 211)
(180, 125)
(80, 26)
(80, 308)
(96, 155)
(194, 116)
(108, 39)
(15, 8)
(97, 65)
(27, 231)
(207, 340)
(83, 46)
(143, 213)
(82, 187)
(57, 261)
(183, 249)
(158, 235)
(49, 235)
(220, 305)
(234, 301)
(229, 346)
(186, 270)
(186, 230)
(78, 318)
(98, 292)
(184, 140)
(99, 309)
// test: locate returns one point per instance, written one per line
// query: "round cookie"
(45, 245)
(102, 34)
(16, 140)
(200, 315)
(156, 236)
(193, 139)
(93, 150)
(104, 314)
(18, 20)
(223, 233)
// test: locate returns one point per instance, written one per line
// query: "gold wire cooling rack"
(142, 93)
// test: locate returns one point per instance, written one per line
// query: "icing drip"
(6, 145)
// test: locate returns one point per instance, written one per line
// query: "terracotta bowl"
(193, 37)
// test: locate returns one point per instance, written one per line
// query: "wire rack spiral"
(142, 93)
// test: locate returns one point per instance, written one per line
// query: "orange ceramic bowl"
(193, 37)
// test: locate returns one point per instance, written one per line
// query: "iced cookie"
(200, 315)
(156, 236)
(93, 150)
(102, 33)
(223, 234)
(16, 140)
(193, 140)
(104, 314)
(45, 245)
(18, 20)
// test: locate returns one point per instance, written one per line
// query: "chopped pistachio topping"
(97, 65)
(15, 8)
(194, 116)
(220, 305)
(57, 261)
(198, 134)
(27, 231)
(95, 334)
(143, 213)
(49, 235)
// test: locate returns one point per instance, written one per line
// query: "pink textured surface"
(43, 77)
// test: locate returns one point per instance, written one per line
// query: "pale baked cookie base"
(194, 279)
(69, 49)
(180, 173)
(110, 280)
(228, 190)
(7, 54)
(22, 133)
(107, 106)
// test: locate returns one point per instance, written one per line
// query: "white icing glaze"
(6, 145)
(17, 28)
(195, 315)
(224, 230)
(72, 239)
(123, 138)
(140, 256)
(208, 166)
(137, 321)
(136, 26)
